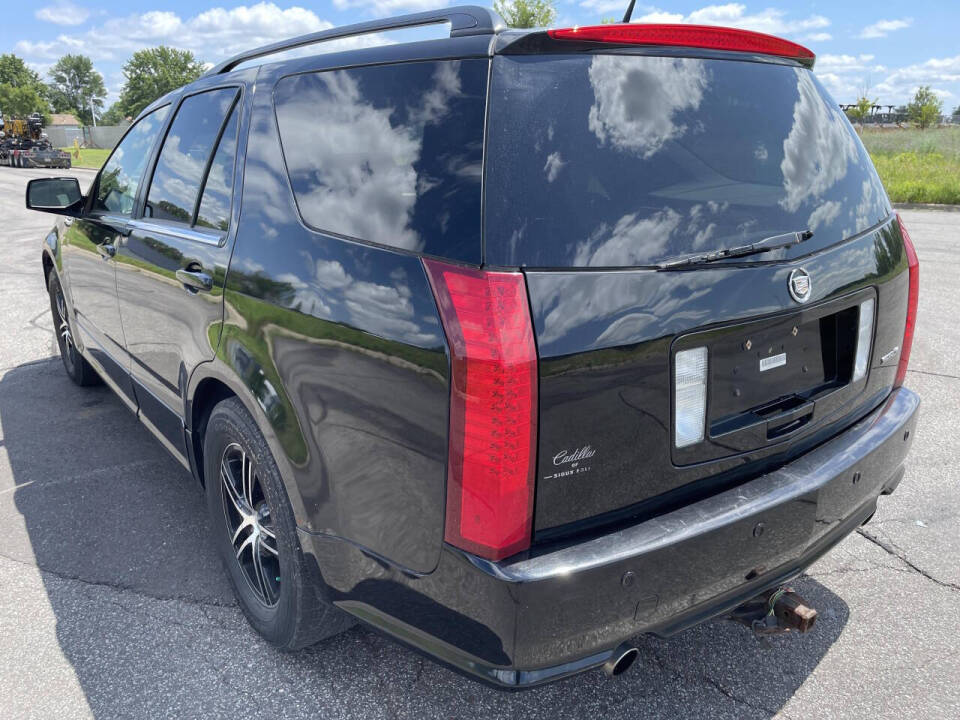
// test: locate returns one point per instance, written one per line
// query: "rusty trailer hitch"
(776, 611)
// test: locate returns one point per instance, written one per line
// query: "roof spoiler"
(701, 37)
(464, 20)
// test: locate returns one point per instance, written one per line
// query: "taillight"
(493, 408)
(913, 265)
(693, 36)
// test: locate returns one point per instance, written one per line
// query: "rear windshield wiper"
(761, 246)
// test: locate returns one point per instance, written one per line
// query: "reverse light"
(690, 396)
(493, 408)
(913, 267)
(864, 339)
(692, 36)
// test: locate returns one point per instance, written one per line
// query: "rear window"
(619, 160)
(389, 154)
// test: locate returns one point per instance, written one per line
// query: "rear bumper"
(526, 622)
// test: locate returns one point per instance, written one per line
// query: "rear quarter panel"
(341, 347)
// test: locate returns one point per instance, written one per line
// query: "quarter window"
(218, 187)
(120, 178)
(193, 134)
(391, 154)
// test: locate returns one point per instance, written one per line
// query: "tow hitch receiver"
(776, 611)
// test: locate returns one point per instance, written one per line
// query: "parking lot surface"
(113, 604)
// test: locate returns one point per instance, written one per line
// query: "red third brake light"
(693, 36)
(913, 265)
(493, 408)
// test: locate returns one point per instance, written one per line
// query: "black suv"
(511, 344)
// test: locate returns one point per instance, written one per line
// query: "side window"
(120, 178)
(214, 209)
(391, 154)
(186, 150)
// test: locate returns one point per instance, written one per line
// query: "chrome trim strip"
(213, 237)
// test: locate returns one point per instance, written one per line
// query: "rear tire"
(256, 535)
(79, 370)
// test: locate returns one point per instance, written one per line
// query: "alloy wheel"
(250, 523)
(63, 323)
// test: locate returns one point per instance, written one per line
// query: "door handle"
(194, 279)
(107, 250)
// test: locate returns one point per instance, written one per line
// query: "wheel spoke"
(244, 525)
(247, 475)
(251, 538)
(266, 545)
(260, 573)
(231, 489)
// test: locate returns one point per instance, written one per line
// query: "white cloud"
(63, 13)
(847, 63)
(846, 75)
(669, 85)
(818, 37)
(772, 21)
(818, 150)
(901, 83)
(553, 166)
(211, 35)
(882, 28)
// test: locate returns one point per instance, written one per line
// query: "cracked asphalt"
(112, 604)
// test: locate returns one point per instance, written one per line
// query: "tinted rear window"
(389, 154)
(618, 160)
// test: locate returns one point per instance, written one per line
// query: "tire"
(256, 535)
(79, 370)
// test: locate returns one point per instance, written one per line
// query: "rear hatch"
(660, 383)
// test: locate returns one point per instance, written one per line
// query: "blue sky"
(892, 47)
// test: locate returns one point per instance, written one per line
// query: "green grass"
(917, 166)
(89, 157)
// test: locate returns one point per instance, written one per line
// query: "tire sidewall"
(68, 353)
(230, 423)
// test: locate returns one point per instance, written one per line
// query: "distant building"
(64, 120)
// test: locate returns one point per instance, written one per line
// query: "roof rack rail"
(464, 20)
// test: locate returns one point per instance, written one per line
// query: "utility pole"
(93, 112)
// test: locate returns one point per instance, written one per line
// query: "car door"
(90, 243)
(171, 266)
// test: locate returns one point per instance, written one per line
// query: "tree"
(113, 115)
(154, 72)
(926, 107)
(861, 109)
(75, 86)
(15, 72)
(21, 101)
(526, 13)
(21, 90)
(956, 111)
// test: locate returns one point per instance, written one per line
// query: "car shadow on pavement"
(146, 619)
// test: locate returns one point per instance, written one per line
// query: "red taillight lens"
(913, 265)
(493, 408)
(694, 36)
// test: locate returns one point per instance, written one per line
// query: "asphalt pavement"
(112, 603)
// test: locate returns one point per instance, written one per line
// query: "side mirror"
(55, 195)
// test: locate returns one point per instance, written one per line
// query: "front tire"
(79, 370)
(256, 535)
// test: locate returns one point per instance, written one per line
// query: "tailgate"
(602, 167)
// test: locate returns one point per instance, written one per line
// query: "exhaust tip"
(621, 660)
